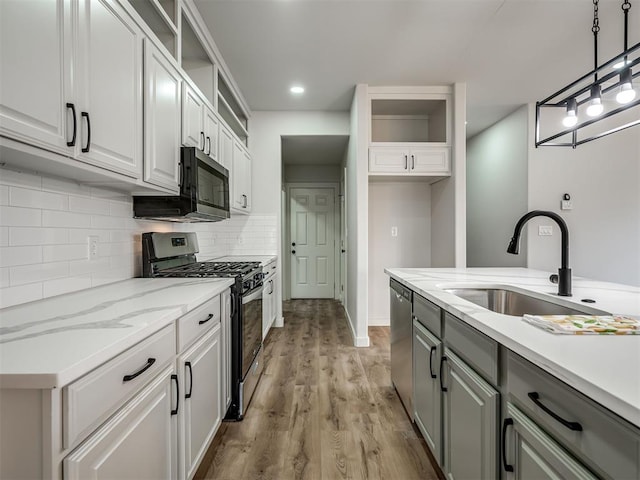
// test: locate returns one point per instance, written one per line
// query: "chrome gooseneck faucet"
(564, 272)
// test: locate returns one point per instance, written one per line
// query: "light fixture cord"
(595, 29)
(626, 6)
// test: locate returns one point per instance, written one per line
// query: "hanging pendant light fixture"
(605, 91)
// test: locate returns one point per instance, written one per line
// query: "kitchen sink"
(511, 302)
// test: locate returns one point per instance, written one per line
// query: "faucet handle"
(553, 278)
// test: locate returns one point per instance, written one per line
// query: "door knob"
(293, 251)
(293, 244)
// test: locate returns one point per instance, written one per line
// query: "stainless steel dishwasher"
(401, 344)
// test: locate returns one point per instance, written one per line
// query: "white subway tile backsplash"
(4, 195)
(81, 267)
(4, 277)
(52, 218)
(88, 205)
(20, 179)
(57, 253)
(38, 273)
(66, 285)
(121, 209)
(68, 187)
(79, 235)
(25, 197)
(20, 294)
(38, 236)
(101, 221)
(12, 256)
(20, 217)
(4, 236)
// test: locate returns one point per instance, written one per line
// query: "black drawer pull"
(147, 366)
(505, 424)
(188, 365)
(86, 115)
(535, 397)
(72, 143)
(174, 378)
(442, 387)
(431, 351)
(204, 142)
(206, 319)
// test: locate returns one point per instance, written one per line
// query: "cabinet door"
(140, 441)
(210, 133)
(429, 160)
(274, 296)
(108, 76)
(35, 77)
(192, 118)
(241, 190)
(162, 119)
(226, 350)
(534, 455)
(225, 150)
(388, 160)
(427, 402)
(470, 422)
(267, 292)
(201, 370)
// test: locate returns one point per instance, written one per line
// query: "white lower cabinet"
(226, 350)
(200, 417)
(138, 442)
(528, 453)
(470, 422)
(427, 401)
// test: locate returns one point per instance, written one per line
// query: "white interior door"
(312, 246)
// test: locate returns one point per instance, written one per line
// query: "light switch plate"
(566, 205)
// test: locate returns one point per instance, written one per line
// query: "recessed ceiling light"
(297, 89)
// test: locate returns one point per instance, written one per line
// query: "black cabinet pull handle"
(442, 387)
(535, 397)
(72, 143)
(86, 115)
(188, 365)
(206, 319)
(413, 162)
(405, 162)
(203, 140)
(505, 424)
(209, 141)
(147, 366)
(431, 351)
(174, 378)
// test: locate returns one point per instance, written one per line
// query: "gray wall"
(496, 191)
(312, 173)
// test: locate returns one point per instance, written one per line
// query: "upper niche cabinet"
(160, 16)
(195, 60)
(409, 120)
(231, 111)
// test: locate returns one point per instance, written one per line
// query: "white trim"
(379, 321)
(357, 341)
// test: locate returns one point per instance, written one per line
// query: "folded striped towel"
(586, 324)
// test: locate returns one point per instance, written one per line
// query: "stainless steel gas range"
(173, 255)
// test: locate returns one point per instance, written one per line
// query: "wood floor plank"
(323, 409)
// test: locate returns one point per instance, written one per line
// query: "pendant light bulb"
(595, 107)
(572, 113)
(626, 94)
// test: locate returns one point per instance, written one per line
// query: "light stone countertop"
(50, 343)
(605, 368)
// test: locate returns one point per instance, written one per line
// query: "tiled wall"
(45, 222)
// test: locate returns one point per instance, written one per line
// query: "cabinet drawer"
(474, 347)
(198, 322)
(606, 442)
(90, 400)
(428, 314)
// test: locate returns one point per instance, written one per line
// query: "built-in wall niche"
(230, 110)
(409, 120)
(160, 16)
(195, 60)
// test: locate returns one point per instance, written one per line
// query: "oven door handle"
(255, 293)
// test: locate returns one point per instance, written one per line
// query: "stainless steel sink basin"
(511, 302)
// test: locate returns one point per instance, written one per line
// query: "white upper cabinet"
(211, 126)
(192, 118)
(108, 76)
(162, 120)
(34, 78)
(71, 80)
(241, 179)
(225, 147)
(410, 131)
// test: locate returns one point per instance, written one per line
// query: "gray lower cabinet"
(471, 409)
(427, 402)
(528, 453)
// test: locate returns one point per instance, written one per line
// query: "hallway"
(323, 409)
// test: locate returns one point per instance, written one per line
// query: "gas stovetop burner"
(211, 269)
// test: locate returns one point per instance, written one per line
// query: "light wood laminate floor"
(322, 410)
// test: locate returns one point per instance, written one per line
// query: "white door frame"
(286, 247)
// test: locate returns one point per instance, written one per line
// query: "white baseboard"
(357, 341)
(379, 321)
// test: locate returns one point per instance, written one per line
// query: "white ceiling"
(509, 52)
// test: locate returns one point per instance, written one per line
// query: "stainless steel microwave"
(204, 193)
